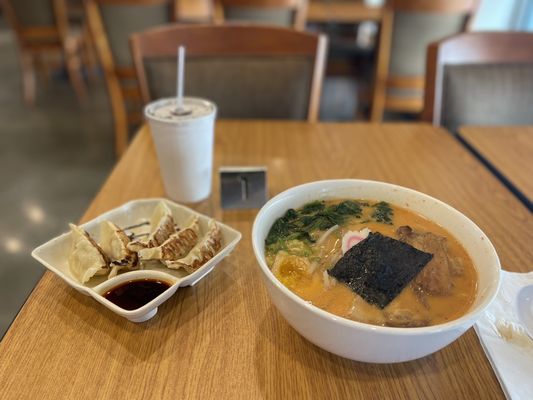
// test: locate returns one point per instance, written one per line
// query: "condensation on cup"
(184, 146)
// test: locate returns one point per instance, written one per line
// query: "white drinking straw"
(179, 83)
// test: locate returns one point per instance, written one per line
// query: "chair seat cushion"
(412, 33)
(487, 95)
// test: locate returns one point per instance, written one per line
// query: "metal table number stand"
(243, 187)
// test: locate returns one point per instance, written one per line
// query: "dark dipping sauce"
(135, 294)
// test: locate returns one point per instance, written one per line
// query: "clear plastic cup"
(184, 146)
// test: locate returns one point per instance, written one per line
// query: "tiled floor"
(53, 158)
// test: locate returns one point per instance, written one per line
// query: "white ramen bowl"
(357, 340)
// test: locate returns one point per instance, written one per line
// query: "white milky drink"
(184, 146)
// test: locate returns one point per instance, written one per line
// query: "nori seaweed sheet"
(379, 267)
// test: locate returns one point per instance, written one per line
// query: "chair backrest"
(416, 24)
(249, 71)
(408, 27)
(111, 22)
(120, 18)
(480, 78)
(37, 21)
(287, 13)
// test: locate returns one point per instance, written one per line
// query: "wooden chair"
(480, 78)
(286, 13)
(249, 71)
(407, 28)
(42, 30)
(111, 22)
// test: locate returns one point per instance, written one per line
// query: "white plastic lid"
(165, 109)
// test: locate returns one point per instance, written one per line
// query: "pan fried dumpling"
(113, 242)
(202, 252)
(176, 246)
(161, 225)
(86, 258)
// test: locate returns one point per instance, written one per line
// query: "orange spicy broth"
(335, 297)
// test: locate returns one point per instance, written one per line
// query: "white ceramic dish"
(356, 340)
(54, 256)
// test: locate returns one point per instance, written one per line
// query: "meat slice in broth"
(436, 277)
(456, 266)
(408, 310)
(405, 318)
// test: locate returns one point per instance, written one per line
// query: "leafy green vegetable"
(298, 224)
(279, 229)
(291, 214)
(383, 213)
(349, 207)
(313, 207)
(282, 227)
(292, 231)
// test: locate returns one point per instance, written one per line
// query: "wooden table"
(509, 149)
(223, 338)
(350, 12)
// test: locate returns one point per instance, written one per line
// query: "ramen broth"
(306, 273)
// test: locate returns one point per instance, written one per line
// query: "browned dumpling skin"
(176, 246)
(162, 226)
(202, 252)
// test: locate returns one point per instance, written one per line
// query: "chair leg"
(28, 77)
(382, 66)
(121, 136)
(43, 69)
(89, 55)
(378, 106)
(73, 63)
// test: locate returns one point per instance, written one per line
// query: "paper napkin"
(506, 343)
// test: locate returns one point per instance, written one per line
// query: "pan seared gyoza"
(167, 243)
